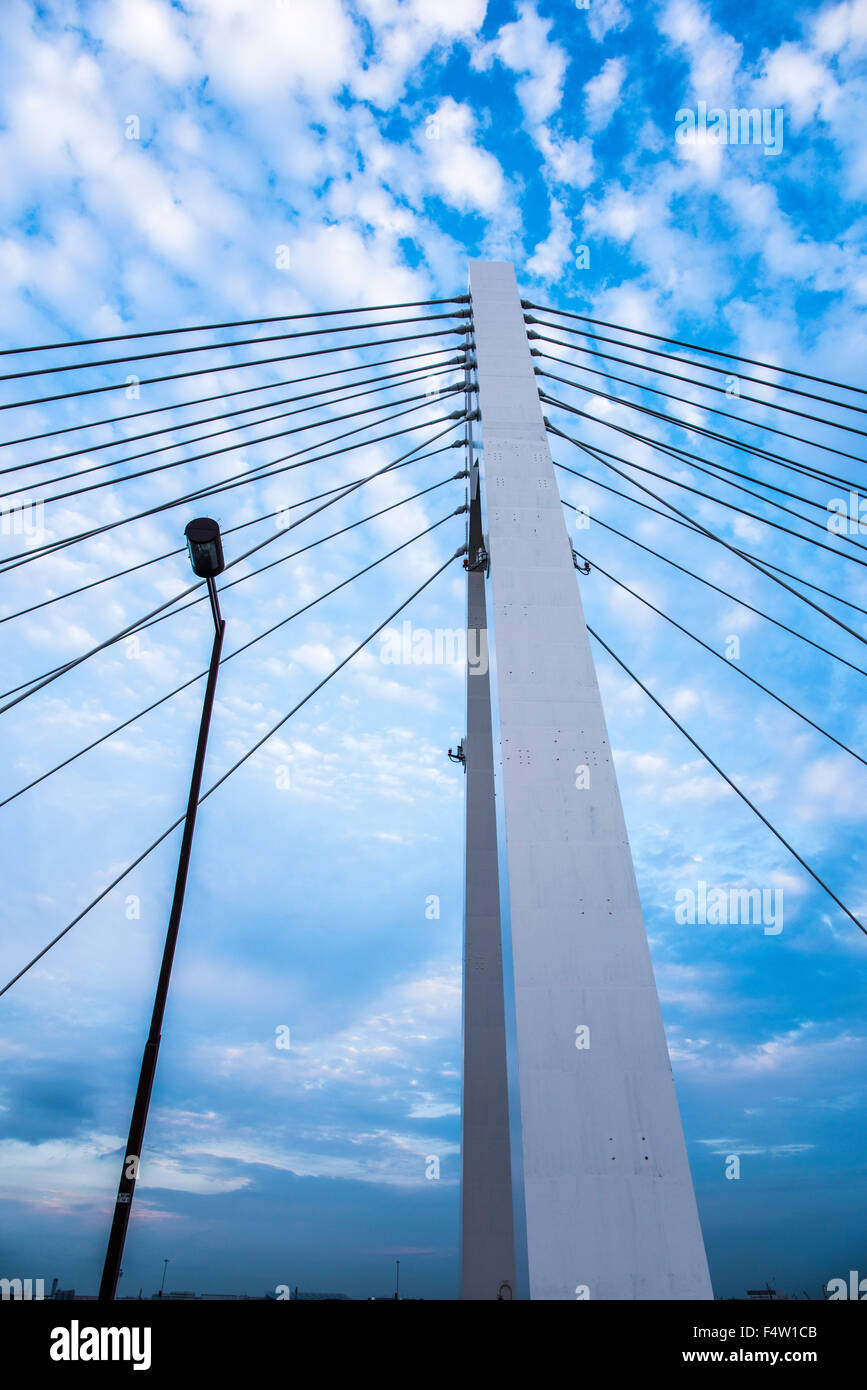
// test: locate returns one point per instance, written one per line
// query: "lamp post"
(206, 557)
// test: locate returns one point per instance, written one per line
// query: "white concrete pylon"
(602, 1192)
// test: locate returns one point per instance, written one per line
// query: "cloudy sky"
(170, 164)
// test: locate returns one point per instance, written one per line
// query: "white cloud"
(841, 29)
(602, 92)
(466, 175)
(603, 16)
(619, 214)
(405, 35)
(803, 1050)
(63, 1173)
(307, 47)
(798, 81)
(567, 161)
(147, 32)
(523, 46)
(551, 255)
(713, 56)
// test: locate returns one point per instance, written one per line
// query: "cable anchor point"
(477, 559)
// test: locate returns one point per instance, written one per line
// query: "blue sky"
(309, 126)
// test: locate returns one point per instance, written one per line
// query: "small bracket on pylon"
(582, 569)
(459, 756)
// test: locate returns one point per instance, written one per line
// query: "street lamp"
(206, 557)
(205, 547)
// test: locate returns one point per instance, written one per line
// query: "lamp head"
(205, 547)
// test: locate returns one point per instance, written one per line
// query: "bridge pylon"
(575, 1176)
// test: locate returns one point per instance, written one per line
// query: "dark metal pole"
(132, 1156)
